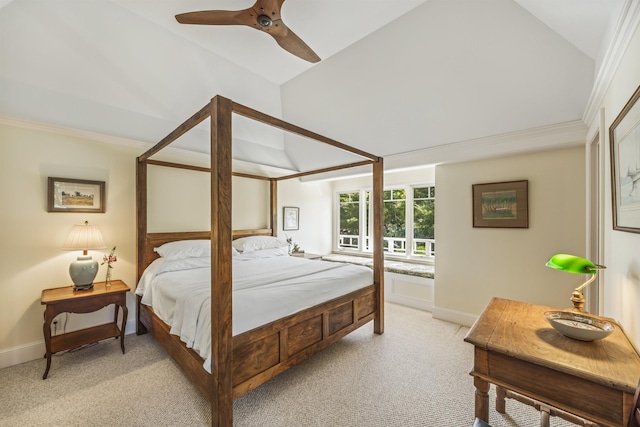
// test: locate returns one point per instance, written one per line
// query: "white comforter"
(264, 290)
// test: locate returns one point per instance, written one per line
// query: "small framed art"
(75, 195)
(501, 204)
(291, 218)
(624, 140)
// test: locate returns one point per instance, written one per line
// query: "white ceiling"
(327, 26)
(127, 68)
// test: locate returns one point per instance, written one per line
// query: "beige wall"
(31, 258)
(180, 200)
(475, 264)
(314, 201)
(621, 284)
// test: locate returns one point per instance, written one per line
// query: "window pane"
(421, 193)
(423, 219)
(399, 194)
(349, 220)
(394, 219)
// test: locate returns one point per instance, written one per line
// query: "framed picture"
(501, 205)
(291, 218)
(75, 195)
(624, 140)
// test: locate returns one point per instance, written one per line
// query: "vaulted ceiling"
(126, 68)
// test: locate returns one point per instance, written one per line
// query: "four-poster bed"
(243, 362)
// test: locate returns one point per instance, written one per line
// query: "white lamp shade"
(84, 237)
(84, 269)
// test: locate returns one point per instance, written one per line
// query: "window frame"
(365, 223)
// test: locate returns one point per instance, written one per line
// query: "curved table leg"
(125, 311)
(46, 328)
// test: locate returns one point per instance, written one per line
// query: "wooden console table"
(66, 300)
(515, 348)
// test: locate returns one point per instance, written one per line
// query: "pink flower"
(110, 258)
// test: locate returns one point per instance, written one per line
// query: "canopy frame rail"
(219, 110)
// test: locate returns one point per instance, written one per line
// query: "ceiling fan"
(264, 15)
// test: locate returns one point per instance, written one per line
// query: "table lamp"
(84, 269)
(577, 265)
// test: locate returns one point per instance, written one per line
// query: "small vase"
(107, 282)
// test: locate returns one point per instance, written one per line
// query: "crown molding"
(561, 135)
(71, 132)
(625, 28)
(99, 137)
(172, 152)
(543, 138)
(550, 137)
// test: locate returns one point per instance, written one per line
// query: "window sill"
(392, 266)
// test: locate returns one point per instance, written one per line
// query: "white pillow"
(182, 249)
(263, 253)
(256, 243)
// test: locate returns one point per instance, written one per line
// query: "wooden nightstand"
(66, 300)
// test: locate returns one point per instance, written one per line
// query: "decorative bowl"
(579, 326)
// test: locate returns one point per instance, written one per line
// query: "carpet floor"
(415, 374)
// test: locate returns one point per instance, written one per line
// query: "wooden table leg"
(545, 413)
(125, 311)
(482, 399)
(46, 328)
(115, 314)
(501, 395)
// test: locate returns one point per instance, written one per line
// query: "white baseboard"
(36, 350)
(22, 353)
(453, 316)
(420, 304)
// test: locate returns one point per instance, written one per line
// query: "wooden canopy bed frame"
(243, 362)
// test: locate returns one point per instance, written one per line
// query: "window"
(349, 219)
(395, 221)
(424, 204)
(408, 229)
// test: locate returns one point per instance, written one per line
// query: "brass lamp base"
(578, 301)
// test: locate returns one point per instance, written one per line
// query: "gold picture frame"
(501, 205)
(624, 141)
(75, 195)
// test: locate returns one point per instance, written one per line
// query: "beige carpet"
(415, 374)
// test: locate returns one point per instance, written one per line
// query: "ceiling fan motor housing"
(264, 21)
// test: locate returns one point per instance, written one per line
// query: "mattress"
(264, 290)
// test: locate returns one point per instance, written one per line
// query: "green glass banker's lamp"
(577, 265)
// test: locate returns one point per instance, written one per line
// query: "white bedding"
(264, 290)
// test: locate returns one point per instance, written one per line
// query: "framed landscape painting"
(624, 140)
(75, 195)
(501, 204)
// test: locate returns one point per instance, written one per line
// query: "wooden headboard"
(154, 240)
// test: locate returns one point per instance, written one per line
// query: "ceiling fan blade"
(217, 17)
(290, 42)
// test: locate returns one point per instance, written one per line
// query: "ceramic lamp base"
(82, 272)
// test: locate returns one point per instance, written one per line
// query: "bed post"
(141, 225)
(273, 206)
(221, 238)
(378, 250)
